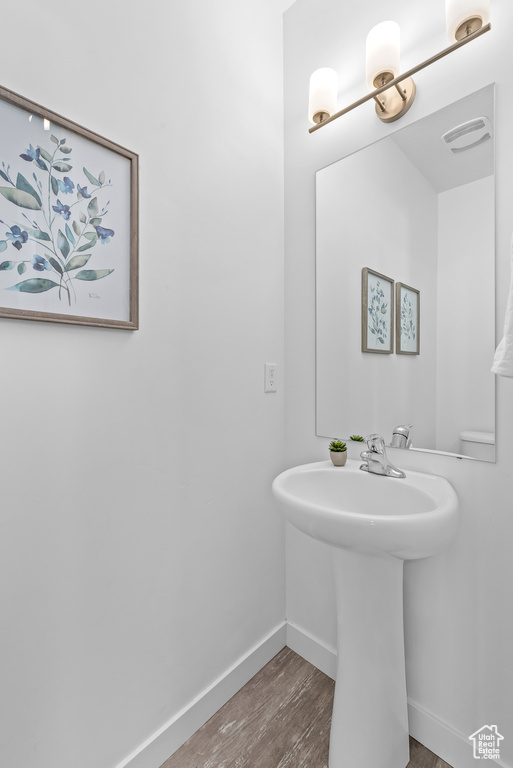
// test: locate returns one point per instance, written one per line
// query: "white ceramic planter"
(338, 458)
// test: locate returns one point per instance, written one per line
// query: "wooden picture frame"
(407, 320)
(377, 312)
(68, 220)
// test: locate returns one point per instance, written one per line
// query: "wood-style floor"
(280, 719)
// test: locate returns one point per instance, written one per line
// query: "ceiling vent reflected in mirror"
(468, 135)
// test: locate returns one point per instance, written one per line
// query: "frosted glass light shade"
(323, 94)
(383, 50)
(457, 12)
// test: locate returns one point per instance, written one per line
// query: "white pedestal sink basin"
(372, 524)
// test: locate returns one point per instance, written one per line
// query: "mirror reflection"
(405, 270)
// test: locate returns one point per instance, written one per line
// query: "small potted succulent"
(357, 438)
(338, 452)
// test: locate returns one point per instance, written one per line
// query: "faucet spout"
(376, 460)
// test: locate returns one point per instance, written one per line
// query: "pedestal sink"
(372, 524)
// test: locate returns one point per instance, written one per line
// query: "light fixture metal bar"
(379, 103)
(404, 76)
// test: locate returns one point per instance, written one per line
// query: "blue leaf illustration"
(62, 167)
(33, 285)
(47, 156)
(62, 244)
(93, 274)
(91, 178)
(21, 198)
(38, 233)
(55, 264)
(22, 183)
(69, 235)
(77, 261)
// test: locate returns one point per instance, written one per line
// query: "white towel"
(503, 359)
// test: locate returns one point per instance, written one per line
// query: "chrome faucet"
(376, 460)
(401, 436)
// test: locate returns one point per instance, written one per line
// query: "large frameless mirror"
(405, 269)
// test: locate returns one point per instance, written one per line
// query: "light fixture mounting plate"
(396, 101)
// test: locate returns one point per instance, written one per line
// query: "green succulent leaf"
(338, 446)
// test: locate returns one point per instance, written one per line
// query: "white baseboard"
(435, 734)
(441, 738)
(158, 747)
(312, 649)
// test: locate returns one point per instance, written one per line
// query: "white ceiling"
(422, 144)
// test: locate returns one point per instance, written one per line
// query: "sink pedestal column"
(369, 728)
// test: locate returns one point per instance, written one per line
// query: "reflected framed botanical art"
(407, 320)
(68, 220)
(377, 312)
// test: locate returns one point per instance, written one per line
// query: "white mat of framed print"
(68, 220)
(407, 320)
(377, 312)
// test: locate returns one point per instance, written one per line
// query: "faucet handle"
(376, 444)
(404, 429)
(401, 436)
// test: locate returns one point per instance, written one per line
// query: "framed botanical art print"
(407, 320)
(68, 220)
(377, 312)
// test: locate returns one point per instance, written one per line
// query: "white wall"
(458, 658)
(370, 208)
(466, 270)
(140, 552)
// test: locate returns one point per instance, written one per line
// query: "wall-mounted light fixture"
(394, 93)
